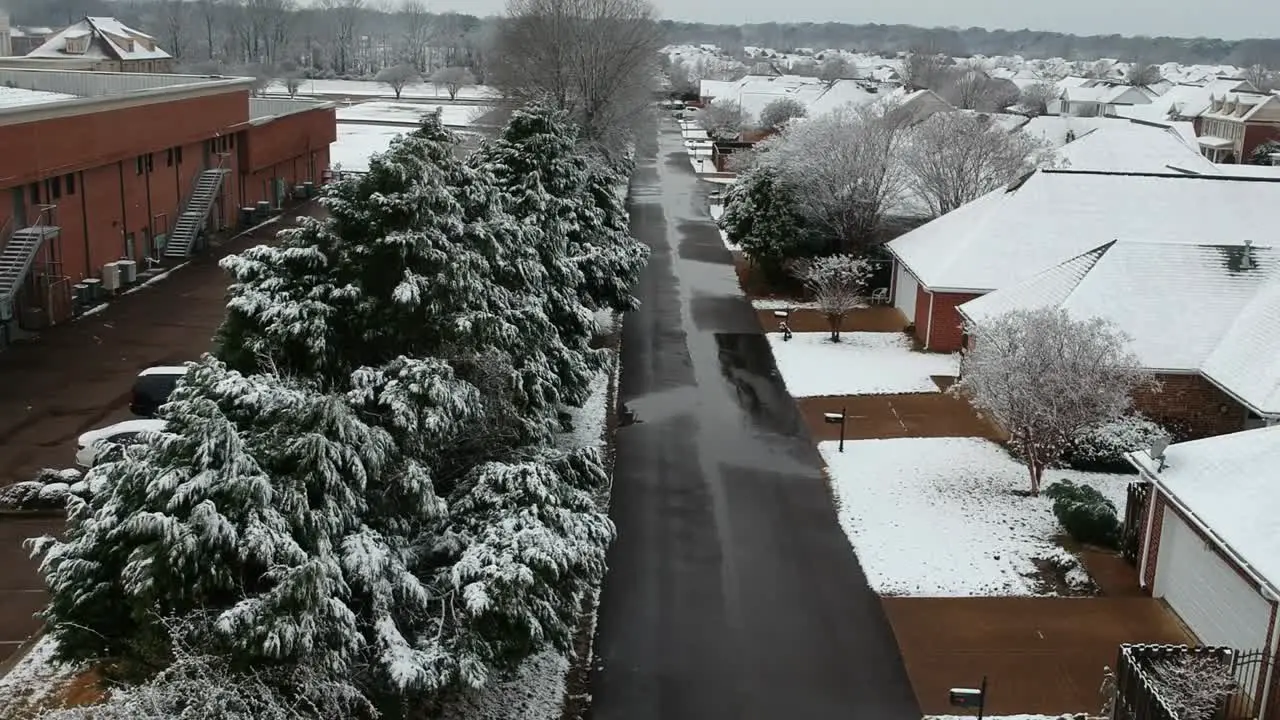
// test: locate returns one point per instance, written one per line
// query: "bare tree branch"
(838, 284)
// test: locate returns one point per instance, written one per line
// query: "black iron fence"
(1137, 695)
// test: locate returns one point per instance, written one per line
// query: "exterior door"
(1219, 606)
(904, 292)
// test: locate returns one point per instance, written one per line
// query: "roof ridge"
(1170, 175)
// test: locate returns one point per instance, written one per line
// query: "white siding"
(904, 291)
(1219, 606)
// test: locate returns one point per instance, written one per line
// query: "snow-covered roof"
(1247, 361)
(1261, 171)
(839, 94)
(1230, 484)
(14, 97)
(1055, 129)
(714, 88)
(1179, 304)
(1050, 216)
(109, 39)
(1130, 146)
(1185, 99)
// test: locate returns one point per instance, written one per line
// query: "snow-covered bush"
(1086, 514)
(762, 215)
(838, 284)
(49, 490)
(1194, 687)
(1102, 447)
(1067, 567)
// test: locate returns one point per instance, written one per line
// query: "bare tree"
(779, 112)
(1261, 78)
(834, 68)
(954, 158)
(844, 164)
(722, 119)
(973, 89)
(1193, 686)
(345, 15)
(1044, 376)
(174, 17)
(596, 59)
(397, 77)
(1034, 99)
(680, 77)
(208, 10)
(924, 68)
(838, 284)
(453, 79)
(1141, 74)
(415, 24)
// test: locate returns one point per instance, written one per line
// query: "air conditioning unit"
(128, 271)
(111, 277)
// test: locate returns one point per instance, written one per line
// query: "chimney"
(1246, 259)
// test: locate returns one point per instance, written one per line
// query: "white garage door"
(904, 292)
(1219, 606)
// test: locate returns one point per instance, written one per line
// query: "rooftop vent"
(1246, 259)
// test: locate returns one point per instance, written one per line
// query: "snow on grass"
(862, 363)
(410, 113)
(357, 143)
(368, 88)
(939, 517)
(590, 420)
(534, 692)
(34, 677)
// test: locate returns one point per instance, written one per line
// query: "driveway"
(876, 417)
(1040, 655)
(732, 593)
(78, 376)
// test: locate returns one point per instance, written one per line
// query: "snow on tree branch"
(722, 119)
(1044, 376)
(838, 284)
(1192, 686)
(956, 157)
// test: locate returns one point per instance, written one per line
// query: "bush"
(48, 491)
(1086, 515)
(1102, 448)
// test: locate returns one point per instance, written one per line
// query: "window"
(168, 157)
(177, 153)
(77, 45)
(137, 163)
(150, 166)
(71, 184)
(231, 141)
(55, 187)
(35, 193)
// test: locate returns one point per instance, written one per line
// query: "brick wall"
(1192, 407)
(1255, 135)
(944, 329)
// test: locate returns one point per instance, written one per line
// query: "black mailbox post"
(837, 419)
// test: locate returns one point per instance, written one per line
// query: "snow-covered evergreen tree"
(762, 214)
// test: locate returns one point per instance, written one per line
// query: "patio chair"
(880, 296)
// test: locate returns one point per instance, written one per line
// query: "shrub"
(1101, 448)
(48, 491)
(1086, 514)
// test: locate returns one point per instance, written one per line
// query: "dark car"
(152, 387)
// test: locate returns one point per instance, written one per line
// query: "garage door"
(1219, 606)
(904, 292)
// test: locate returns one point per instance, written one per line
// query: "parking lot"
(78, 376)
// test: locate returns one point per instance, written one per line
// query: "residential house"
(1133, 146)
(1100, 99)
(1204, 318)
(101, 43)
(1185, 101)
(1234, 125)
(1050, 216)
(1210, 548)
(23, 39)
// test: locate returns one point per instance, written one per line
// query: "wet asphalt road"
(732, 592)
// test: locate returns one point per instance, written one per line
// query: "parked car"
(152, 388)
(90, 446)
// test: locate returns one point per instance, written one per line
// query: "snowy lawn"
(410, 113)
(357, 143)
(368, 88)
(939, 517)
(34, 678)
(862, 363)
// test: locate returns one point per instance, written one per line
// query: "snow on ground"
(534, 692)
(410, 113)
(938, 517)
(368, 88)
(357, 143)
(15, 96)
(776, 304)
(34, 677)
(862, 363)
(589, 420)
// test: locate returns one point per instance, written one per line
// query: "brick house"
(110, 166)
(105, 44)
(1208, 546)
(1234, 125)
(1051, 216)
(1205, 319)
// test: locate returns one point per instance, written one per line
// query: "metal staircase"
(17, 255)
(196, 213)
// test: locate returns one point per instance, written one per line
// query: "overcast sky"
(1230, 19)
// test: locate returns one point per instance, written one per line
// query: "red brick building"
(1234, 125)
(99, 167)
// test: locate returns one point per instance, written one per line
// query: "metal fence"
(1137, 696)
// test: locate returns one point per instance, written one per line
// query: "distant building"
(6, 43)
(23, 39)
(100, 43)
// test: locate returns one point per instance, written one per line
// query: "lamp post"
(832, 418)
(783, 327)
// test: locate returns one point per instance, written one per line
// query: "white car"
(92, 443)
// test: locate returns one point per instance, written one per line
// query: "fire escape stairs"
(195, 214)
